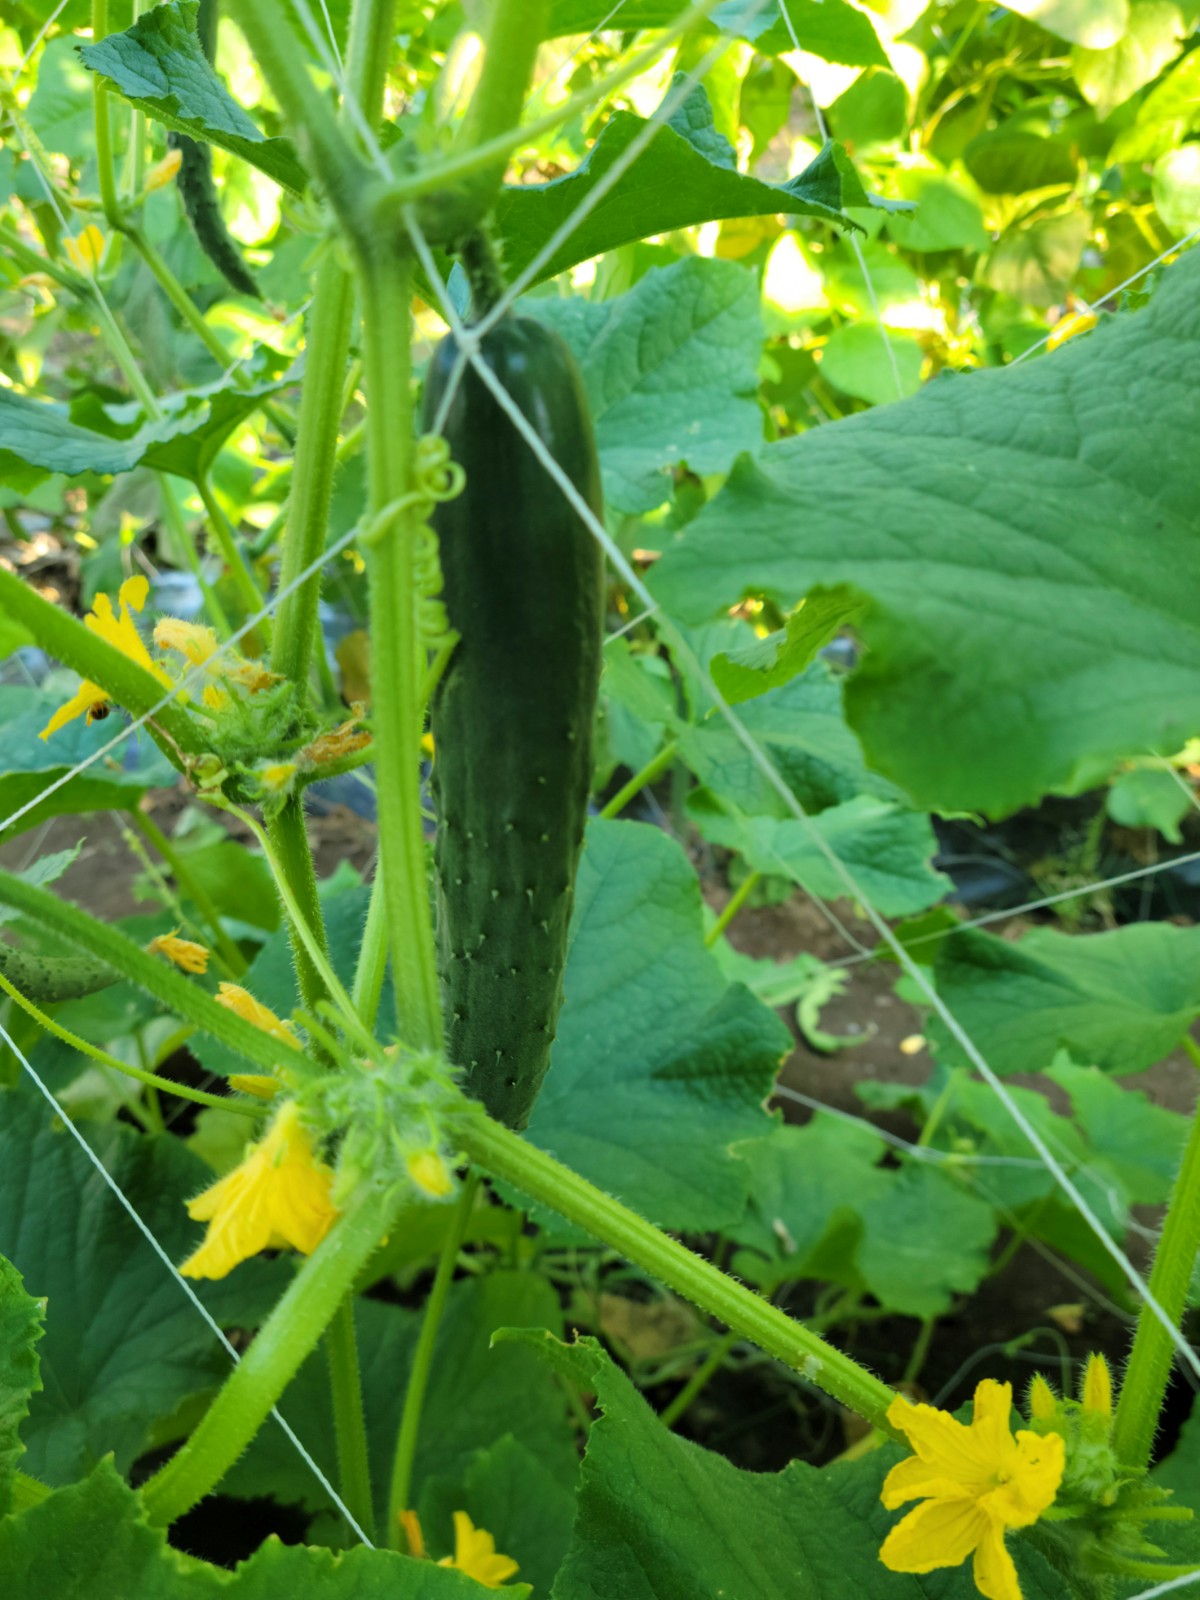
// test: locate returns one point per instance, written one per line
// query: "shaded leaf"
(886, 846)
(20, 1330)
(123, 1345)
(660, 1068)
(91, 1542)
(1119, 1000)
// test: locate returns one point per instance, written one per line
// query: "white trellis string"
(1170, 1587)
(41, 34)
(683, 651)
(918, 1152)
(182, 1282)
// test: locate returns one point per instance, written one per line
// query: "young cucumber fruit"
(512, 717)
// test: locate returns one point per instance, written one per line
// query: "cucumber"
(197, 190)
(523, 586)
(46, 979)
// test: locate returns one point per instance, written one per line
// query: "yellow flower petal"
(255, 1083)
(86, 700)
(475, 1554)
(1067, 327)
(1030, 1475)
(1097, 1392)
(994, 1572)
(121, 631)
(195, 643)
(234, 998)
(940, 1533)
(1043, 1402)
(913, 1479)
(411, 1524)
(279, 1195)
(87, 250)
(185, 953)
(430, 1174)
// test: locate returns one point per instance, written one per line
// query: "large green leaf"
(970, 515)
(20, 1329)
(478, 1395)
(831, 29)
(159, 67)
(660, 1068)
(887, 847)
(822, 1207)
(123, 1344)
(28, 764)
(1120, 1000)
(91, 1542)
(673, 183)
(660, 1518)
(94, 437)
(671, 371)
(1096, 24)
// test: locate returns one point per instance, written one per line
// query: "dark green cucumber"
(512, 717)
(197, 189)
(45, 979)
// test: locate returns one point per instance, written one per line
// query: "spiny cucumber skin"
(203, 207)
(47, 979)
(513, 716)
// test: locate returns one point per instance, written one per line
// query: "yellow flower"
(87, 251)
(1067, 327)
(234, 998)
(474, 1550)
(475, 1554)
(280, 1195)
(975, 1483)
(121, 632)
(200, 647)
(163, 171)
(186, 954)
(430, 1174)
(277, 778)
(1097, 1390)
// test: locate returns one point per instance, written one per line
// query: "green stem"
(313, 473)
(1149, 1369)
(396, 658)
(287, 1337)
(191, 886)
(298, 874)
(732, 906)
(474, 159)
(699, 1379)
(654, 768)
(178, 994)
(151, 1079)
(105, 167)
(354, 1468)
(372, 957)
(226, 536)
(422, 1363)
(515, 31)
(180, 299)
(510, 1157)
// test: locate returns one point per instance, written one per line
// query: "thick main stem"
(507, 1155)
(1149, 1369)
(396, 659)
(290, 1333)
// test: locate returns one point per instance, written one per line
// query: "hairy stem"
(1149, 1369)
(507, 1155)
